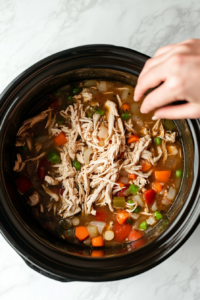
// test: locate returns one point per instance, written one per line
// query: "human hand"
(177, 67)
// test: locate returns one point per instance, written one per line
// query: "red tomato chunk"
(121, 231)
(23, 184)
(149, 196)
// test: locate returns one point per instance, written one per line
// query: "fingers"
(157, 98)
(147, 81)
(183, 111)
(164, 49)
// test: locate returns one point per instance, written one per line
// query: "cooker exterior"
(48, 262)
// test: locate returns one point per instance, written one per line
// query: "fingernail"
(155, 118)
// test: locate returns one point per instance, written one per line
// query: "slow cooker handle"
(42, 272)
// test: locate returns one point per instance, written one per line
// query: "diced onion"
(134, 216)
(87, 242)
(124, 94)
(154, 206)
(102, 86)
(171, 194)
(139, 200)
(109, 235)
(93, 231)
(103, 132)
(165, 201)
(89, 83)
(99, 225)
(123, 180)
(151, 220)
(87, 154)
(75, 221)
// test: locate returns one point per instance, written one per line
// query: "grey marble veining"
(31, 30)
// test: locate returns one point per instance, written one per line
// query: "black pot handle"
(45, 273)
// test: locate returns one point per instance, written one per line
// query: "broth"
(93, 169)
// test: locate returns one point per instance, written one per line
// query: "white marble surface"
(31, 30)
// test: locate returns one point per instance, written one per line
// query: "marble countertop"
(31, 30)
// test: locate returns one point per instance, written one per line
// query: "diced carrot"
(157, 186)
(97, 241)
(132, 176)
(122, 216)
(97, 253)
(162, 176)
(135, 235)
(125, 107)
(146, 165)
(81, 232)
(121, 184)
(133, 138)
(60, 139)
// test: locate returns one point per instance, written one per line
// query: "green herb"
(99, 111)
(75, 90)
(129, 221)
(137, 209)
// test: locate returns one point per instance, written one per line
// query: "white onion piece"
(165, 201)
(93, 231)
(99, 225)
(134, 108)
(103, 132)
(151, 220)
(123, 173)
(123, 180)
(124, 94)
(87, 242)
(89, 83)
(178, 182)
(102, 86)
(109, 235)
(139, 200)
(134, 216)
(87, 154)
(75, 221)
(154, 206)
(171, 193)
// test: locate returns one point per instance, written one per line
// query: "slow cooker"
(48, 254)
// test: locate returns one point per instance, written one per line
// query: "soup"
(94, 170)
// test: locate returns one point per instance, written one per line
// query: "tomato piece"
(121, 231)
(149, 196)
(135, 235)
(44, 162)
(101, 215)
(23, 184)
